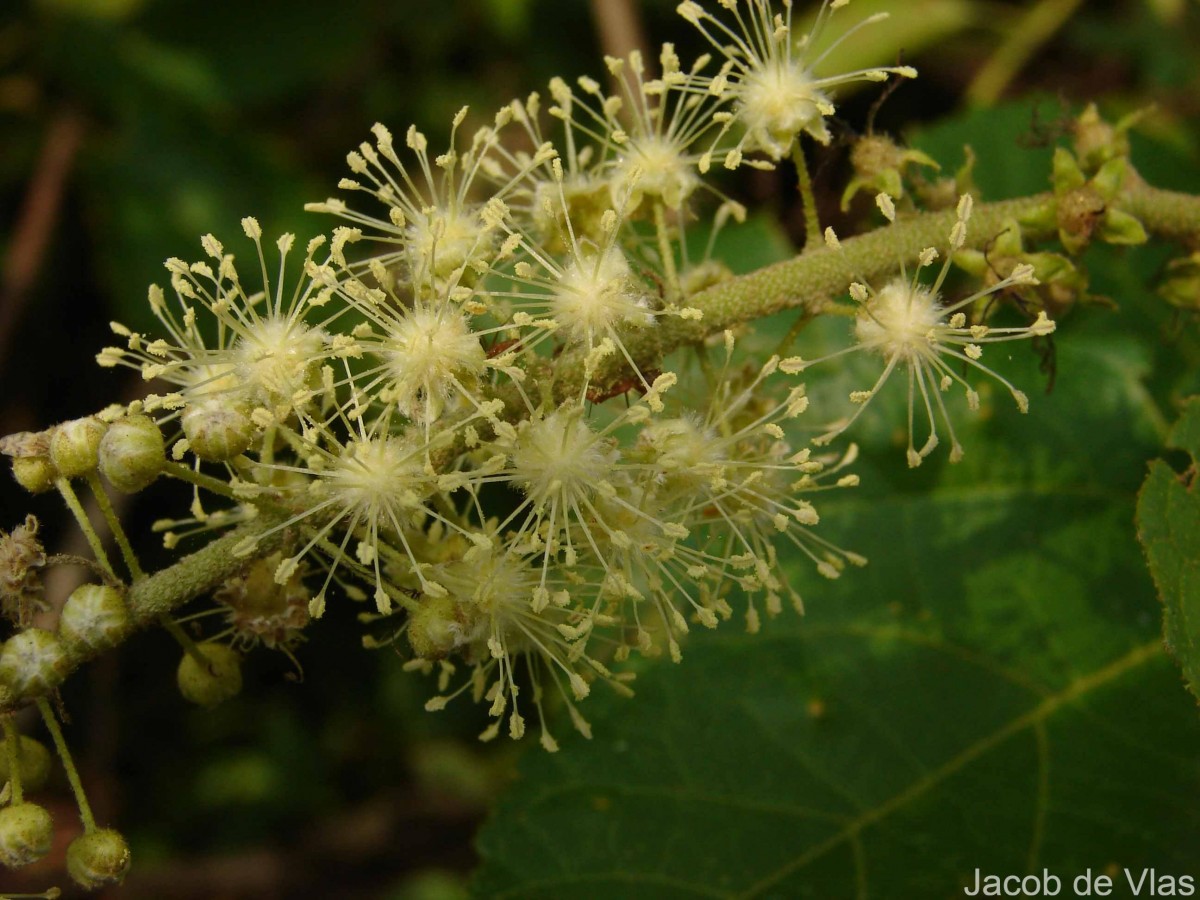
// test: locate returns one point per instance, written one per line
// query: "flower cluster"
(907, 324)
(460, 408)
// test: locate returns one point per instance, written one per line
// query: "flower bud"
(213, 683)
(75, 446)
(94, 616)
(260, 609)
(33, 763)
(98, 858)
(30, 453)
(34, 473)
(217, 432)
(26, 831)
(132, 453)
(32, 660)
(435, 629)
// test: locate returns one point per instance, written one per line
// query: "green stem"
(12, 743)
(191, 476)
(72, 500)
(114, 525)
(785, 345)
(812, 279)
(160, 593)
(190, 647)
(64, 754)
(667, 252)
(806, 282)
(1167, 214)
(1036, 27)
(812, 221)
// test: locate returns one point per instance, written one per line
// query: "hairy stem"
(1167, 214)
(114, 525)
(808, 283)
(808, 199)
(812, 280)
(85, 525)
(159, 594)
(68, 764)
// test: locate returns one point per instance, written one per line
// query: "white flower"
(266, 355)
(442, 232)
(907, 325)
(770, 77)
(486, 619)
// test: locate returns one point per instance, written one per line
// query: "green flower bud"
(26, 831)
(98, 858)
(881, 165)
(75, 446)
(34, 473)
(1096, 141)
(214, 683)
(261, 609)
(33, 762)
(1080, 212)
(216, 431)
(132, 453)
(1181, 285)
(1067, 176)
(94, 616)
(435, 629)
(32, 660)
(1119, 227)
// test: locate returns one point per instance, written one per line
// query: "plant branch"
(163, 592)
(807, 282)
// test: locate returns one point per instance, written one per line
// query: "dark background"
(128, 128)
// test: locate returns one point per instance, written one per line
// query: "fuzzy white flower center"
(379, 473)
(493, 592)
(426, 353)
(444, 241)
(595, 293)
(560, 456)
(683, 448)
(277, 357)
(777, 101)
(899, 321)
(661, 171)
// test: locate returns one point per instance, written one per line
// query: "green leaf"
(990, 692)
(1168, 517)
(924, 25)
(753, 244)
(1013, 153)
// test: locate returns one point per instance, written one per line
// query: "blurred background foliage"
(128, 128)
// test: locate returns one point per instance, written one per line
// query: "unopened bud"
(434, 629)
(216, 431)
(33, 763)
(75, 446)
(32, 660)
(34, 473)
(26, 831)
(215, 680)
(98, 858)
(94, 616)
(132, 453)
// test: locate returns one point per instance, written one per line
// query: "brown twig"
(619, 27)
(36, 221)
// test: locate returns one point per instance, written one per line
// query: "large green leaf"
(991, 692)
(1168, 516)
